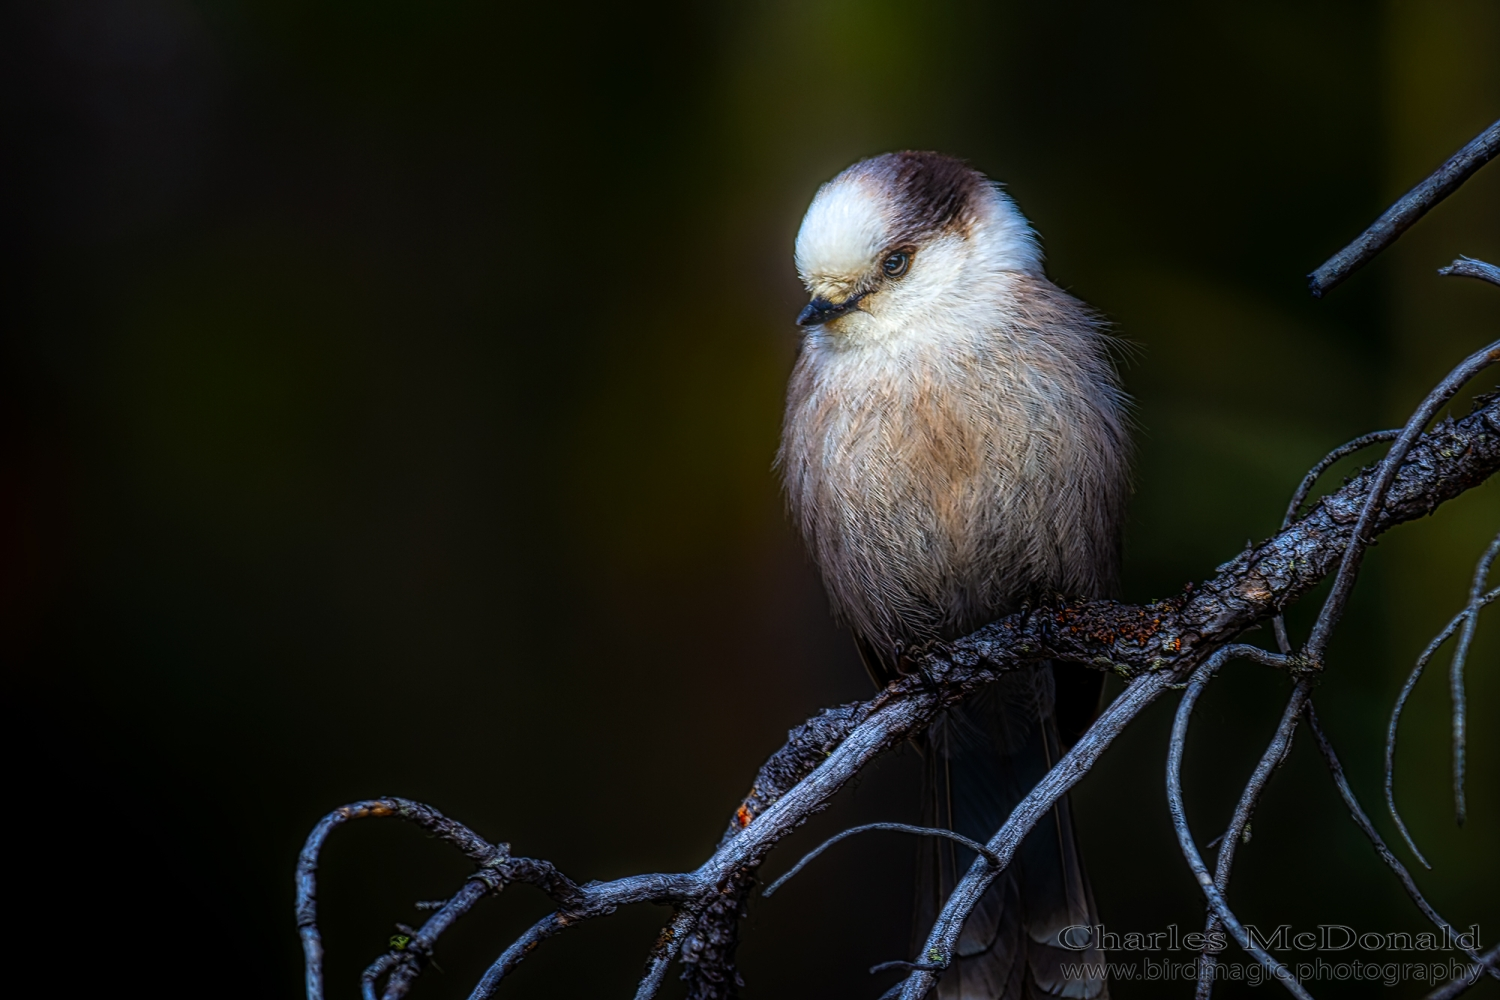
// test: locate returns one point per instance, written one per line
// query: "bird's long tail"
(981, 760)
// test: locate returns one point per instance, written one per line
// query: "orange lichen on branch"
(1123, 624)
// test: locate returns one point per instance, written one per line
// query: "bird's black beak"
(820, 310)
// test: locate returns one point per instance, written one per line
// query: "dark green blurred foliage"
(391, 408)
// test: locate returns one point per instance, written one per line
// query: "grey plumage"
(955, 443)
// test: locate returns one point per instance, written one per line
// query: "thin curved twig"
(1406, 211)
(1468, 267)
(901, 963)
(434, 822)
(1299, 496)
(1456, 678)
(1275, 754)
(1211, 893)
(518, 950)
(1467, 613)
(1278, 624)
(1336, 769)
(926, 831)
(1385, 474)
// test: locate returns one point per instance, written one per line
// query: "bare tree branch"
(1280, 744)
(1220, 909)
(1275, 753)
(938, 950)
(1406, 211)
(1489, 962)
(1309, 660)
(1150, 645)
(460, 836)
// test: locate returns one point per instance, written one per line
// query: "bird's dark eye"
(895, 264)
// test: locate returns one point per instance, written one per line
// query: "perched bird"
(955, 447)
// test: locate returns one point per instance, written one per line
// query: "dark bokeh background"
(390, 402)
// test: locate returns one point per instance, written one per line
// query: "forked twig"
(470, 843)
(1343, 582)
(1310, 480)
(1275, 754)
(1217, 905)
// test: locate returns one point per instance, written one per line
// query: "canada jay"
(955, 447)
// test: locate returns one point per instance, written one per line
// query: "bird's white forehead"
(907, 197)
(846, 226)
